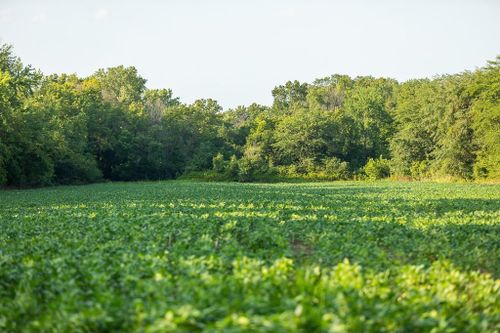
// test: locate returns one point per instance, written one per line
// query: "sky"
(236, 51)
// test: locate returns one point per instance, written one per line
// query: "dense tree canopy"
(65, 129)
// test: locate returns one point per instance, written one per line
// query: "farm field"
(180, 256)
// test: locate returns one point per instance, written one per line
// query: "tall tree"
(121, 85)
(369, 104)
(485, 108)
(290, 94)
(419, 107)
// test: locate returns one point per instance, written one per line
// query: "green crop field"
(314, 257)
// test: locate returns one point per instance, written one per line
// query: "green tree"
(60, 100)
(24, 145)
(303, 134)
(455, 150)
(290, 94)
(329, 93)
(121, 85)
(420, 105)
(485, 111)
(369, 105)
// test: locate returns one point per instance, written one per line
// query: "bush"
(480, 172)
(330, 169)
(420, 169)
(250, 168)
(247, 169)
(336, 169)
(307, 166)
(218, 163)
(377, 168)
(232, 168)
(76, 169)
(287, 171)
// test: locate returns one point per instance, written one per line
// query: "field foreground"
(185, 256)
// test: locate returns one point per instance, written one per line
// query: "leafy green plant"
(336, 169)
(218, 163)
(235, 257)
(232, 168)
(377, 168)
(420, 170)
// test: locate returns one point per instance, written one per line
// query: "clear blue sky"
(237, 51)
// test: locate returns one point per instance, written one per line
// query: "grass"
(194, 256)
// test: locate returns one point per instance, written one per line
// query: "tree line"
(63, 129)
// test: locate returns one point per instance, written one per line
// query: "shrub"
(330, 169)
(377, 168)
(76, 169)
(232, 168)
(250, 168)
(245, 170)
(336, 169)
(287, 171)
(420, 169)
(307, 166)
(218, 163)
(480, 172)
